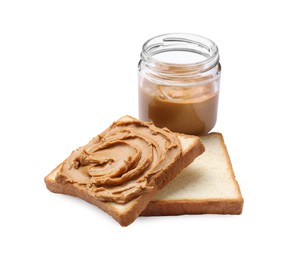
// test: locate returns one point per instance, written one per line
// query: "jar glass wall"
(179, 83)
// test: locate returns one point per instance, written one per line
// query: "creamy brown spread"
(190, 110)
(118, 164)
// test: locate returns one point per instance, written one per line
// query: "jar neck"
(180, 59)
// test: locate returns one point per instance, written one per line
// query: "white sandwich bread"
(207, 186)
(123, 168)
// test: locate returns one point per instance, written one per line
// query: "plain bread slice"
(207, 186)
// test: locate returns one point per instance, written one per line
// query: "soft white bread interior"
(207, 186)
(126, 213)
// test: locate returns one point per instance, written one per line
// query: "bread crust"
(182, 207)
(194, 206)
(136, 206)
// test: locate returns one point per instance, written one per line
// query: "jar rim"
(186, 42)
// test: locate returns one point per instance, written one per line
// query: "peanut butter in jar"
(179, 83)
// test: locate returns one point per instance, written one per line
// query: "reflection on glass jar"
(179, 83)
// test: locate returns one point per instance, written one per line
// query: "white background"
(69, 68)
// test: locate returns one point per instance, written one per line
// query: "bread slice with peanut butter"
(122, 169)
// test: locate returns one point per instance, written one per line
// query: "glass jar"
(179, 78)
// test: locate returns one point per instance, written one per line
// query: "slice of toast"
(207, 186)
(85, 173)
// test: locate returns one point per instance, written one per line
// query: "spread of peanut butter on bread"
(117, 165)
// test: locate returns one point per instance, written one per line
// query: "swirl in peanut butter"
(118, 164)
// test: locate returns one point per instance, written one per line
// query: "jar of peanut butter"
(179, 78)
